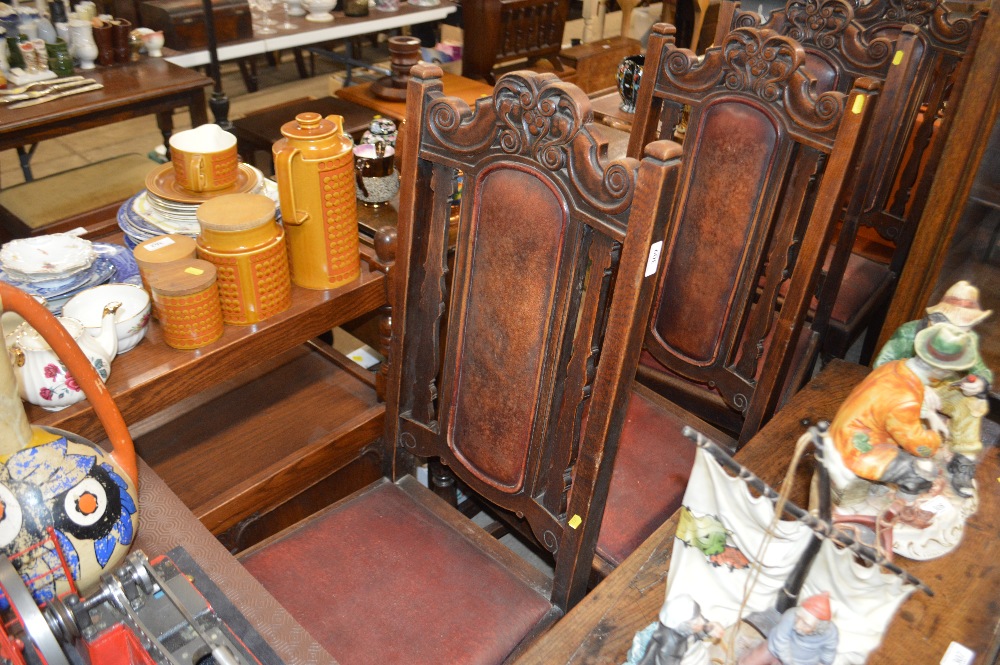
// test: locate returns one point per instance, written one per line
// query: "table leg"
(196, 108)
(165, 121)
(24, 157)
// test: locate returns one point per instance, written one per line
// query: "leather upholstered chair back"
(765, 163)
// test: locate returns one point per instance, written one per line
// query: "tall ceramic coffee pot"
(68, 506)
(314, 166)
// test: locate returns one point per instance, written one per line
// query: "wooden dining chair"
(765, 164)
(513, 364)
(915, 66)
(514, 34)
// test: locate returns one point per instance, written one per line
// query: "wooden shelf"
(265, 441)
(259, 426)
(153, 376)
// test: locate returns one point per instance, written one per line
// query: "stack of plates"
(58, 266)
(165, 207)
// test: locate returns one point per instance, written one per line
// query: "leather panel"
(503, 337)
(651, 471)
(380, 579)
(819, 65)
(729, 168)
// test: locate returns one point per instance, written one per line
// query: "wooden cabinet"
(249, 430)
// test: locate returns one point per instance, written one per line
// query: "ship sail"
(721, 532)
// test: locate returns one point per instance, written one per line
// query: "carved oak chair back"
(521, 389)
(918, 65)
(505, 31)
(765, 164)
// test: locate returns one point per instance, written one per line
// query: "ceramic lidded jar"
(241, 237)
(159, 251)
(187, 298)
(314, 166)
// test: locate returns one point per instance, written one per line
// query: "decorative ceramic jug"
(69, 507)
(84, 46)
(41, 378)
(314, 166)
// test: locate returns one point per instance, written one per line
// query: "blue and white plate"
(126, 269)
(100, 271)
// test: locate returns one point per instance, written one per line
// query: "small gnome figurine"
(805, 635)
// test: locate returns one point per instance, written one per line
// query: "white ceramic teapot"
(43, 379)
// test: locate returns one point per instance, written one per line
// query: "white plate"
(49, 257)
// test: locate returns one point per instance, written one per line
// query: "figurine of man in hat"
(879, 430)
(805, 635)
(680, 620)
(965, 400)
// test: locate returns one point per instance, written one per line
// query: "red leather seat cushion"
(380, 579)
(862, 278)
(651, 472)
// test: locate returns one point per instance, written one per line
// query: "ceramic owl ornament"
(68, 510)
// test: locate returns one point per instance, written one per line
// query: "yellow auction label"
(194, 271)
(859, 103)
(575, 521)
(898, 58)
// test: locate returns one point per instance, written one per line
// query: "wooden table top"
(309, 32)
(130, 86)
(469, 90)
(966, 582)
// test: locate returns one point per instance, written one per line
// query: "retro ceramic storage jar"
(186, 295)
(160, 251)
(314, 166)
(241, 237)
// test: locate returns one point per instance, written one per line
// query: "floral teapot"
(42, 378)
(69, 509)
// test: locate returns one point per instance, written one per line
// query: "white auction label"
(654, 257)
(165, 241)
(958, 654)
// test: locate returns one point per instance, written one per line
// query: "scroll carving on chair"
(512, 363)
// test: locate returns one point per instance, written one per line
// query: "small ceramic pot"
(319, 10)
(204, 158)
(376, 179)
(355, 7)
(131, 319)
(629, 76)
(153, 41)
(122, 49)
(105, 45)
(60, 61)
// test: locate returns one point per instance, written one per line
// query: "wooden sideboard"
(260, 427)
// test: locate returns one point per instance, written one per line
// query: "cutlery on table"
(48, 82)
(56, 95)
(32, 94)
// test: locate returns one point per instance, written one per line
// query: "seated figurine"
(805, 635)
(886, 448)
(668, 641)
(964, 401)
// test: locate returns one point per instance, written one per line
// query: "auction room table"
(966, 582)
(150, 86)
(308, 32)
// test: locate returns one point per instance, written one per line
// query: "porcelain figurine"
(69, 507)
(669, 640)
(965, 401)
(805, 635)
(42, 378)
(889, 457)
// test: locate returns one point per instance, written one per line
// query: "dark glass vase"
(629, 76)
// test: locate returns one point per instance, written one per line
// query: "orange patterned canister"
(314, 166)
(241, 237)
(163, 250)
(186, 295)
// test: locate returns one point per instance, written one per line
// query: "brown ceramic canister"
(162, 251)
(187, 297)
(241, 237)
